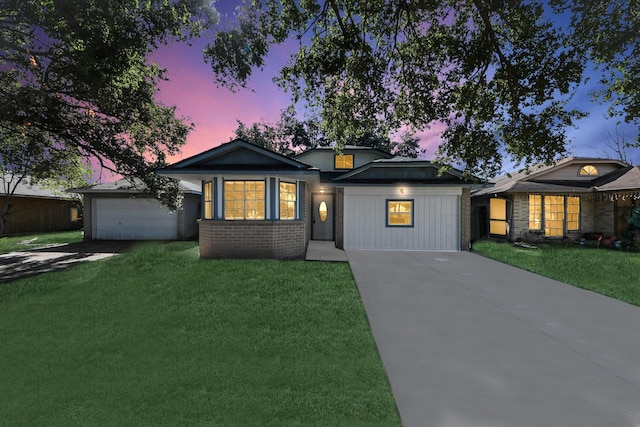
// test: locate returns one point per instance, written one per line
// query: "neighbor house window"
(558, 214)
(588, 170)
(344, 161)
(573, 213)
(399, 213)
(74, 214)
(498, 217)
(287, 200)
(208, 200)
(535, 212)
(244, 200)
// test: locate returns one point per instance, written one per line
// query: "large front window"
(244, 200)
(556, 214)
(287, 200)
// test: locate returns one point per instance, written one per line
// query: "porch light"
(322, 189)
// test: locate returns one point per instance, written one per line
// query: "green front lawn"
(609, 272)
(159, 337)
(34, 241)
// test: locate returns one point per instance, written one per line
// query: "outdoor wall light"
(322, 189)
(401, 190)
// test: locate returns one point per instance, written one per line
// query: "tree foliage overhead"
(75, 75)
(497, 73)
(290, 136)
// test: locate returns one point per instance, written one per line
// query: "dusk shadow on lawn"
(16, 265)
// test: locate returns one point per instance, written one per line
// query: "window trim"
(343, 156)
(565, 220)
(594, 172)
(388, 213)
(264, 200)
(207, 202)
(295, 201)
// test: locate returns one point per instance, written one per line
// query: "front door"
(322, 217)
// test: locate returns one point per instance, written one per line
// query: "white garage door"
(436, 219)
(133, 219)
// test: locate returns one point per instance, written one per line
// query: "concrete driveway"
(467, 341)
(15, 265)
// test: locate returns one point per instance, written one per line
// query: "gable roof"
(529, 181)
(235, 153)
(24, 189)
(401, 169)
(236, 157)
(347, 149)
(623, 179)
(131, 186)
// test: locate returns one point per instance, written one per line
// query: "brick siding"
(465, 219)
(252, 239)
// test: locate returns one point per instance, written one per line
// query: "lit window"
(554, 216)
(535, 212)
(244, 200)
(588, 170)
(573, 213)
(208, 200)
(498, 217)
(399, 213)
(558, 213)
(74, 215)
(287, 200)
(344, 161)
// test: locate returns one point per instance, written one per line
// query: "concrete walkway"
(16, 265)
(321, 250)
(467, 341)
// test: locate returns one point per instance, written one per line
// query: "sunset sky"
(215, 111)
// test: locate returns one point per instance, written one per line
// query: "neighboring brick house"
(566, 200)
(260, 204)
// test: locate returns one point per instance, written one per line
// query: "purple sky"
(214, 111)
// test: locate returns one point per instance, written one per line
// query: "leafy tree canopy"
(290, 136)
(498, 74)
(75, 78)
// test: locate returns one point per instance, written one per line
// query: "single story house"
(124, 210)
(37, 209)
(260, 204)
(565, 200)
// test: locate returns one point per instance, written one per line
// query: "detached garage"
(121, 210)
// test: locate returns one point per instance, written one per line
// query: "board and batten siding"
(436, 219)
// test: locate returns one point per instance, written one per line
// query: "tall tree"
(289, 136)
(498, 74)
(609, 31)
(77, 74)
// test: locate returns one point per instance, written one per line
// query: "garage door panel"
(133, 219)
(436, 223)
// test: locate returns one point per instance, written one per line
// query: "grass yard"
(33, 241)
(159, 337)
(608, 272)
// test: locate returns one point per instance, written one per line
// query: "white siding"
(436, 219)
(133, 219)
